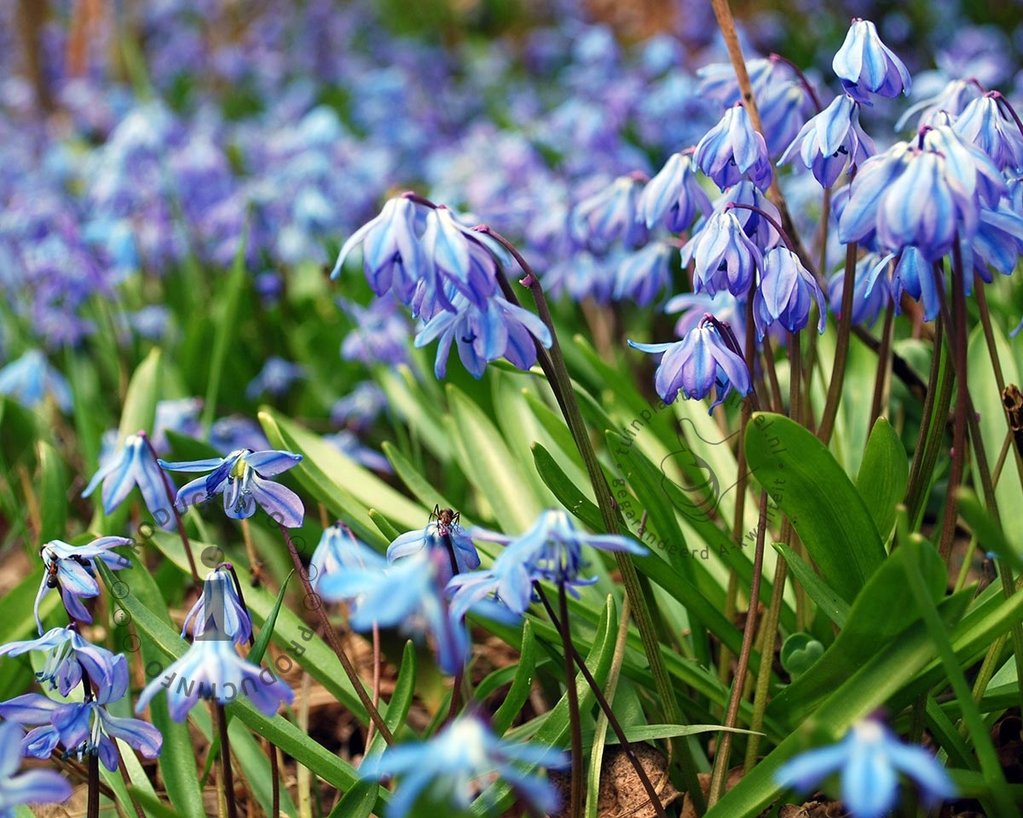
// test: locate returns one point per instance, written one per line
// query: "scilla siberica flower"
(723, 256)
(133, 465)
(674, 196)
(72, 570)
(870, 296)
(483, 334)
(865, 65)
(84, 728)
(983, 124)
(449, 538)
(643, 274)
(732, 149)
(868, 761)
(701, 361)
(30, 378)
(29, 787)
(832, 141)
(609, 215)
(786, 293)
(340, 550)
(211, 667)
(452, 767)
(242, 478)
(68, 656)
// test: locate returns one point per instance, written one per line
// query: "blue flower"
(458, 257)
(133, 465)
(869, 760)
(212, 669)
(72, 569)
(701, 361)
(241, 477)
(449, 768)
(757, 228)
(381, 333)
(30, 378)
(275, 378)
(641, 275)
(693, 308)
(785, 293)
(867, 66)
(609, 215)
(500, 329)
(674, 196)
(31, 786)
(69, 656)
(360, 407)
(219, 612)
(406, 594)
(983, 124)
(180, 416)
(339, 550)
(870, 296)
(832, 141)
(437, 536)
(723, 256)
(237, 432)
(732, 149)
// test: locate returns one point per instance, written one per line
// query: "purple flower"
(870, 296)
(72, 569)
(674, 196)
(982, 123)
(644, 273)
(869, 760)
(360, 407)
(865, 65)
(30, 378)
(242, 478)
(456, 760)
(31, 786)
(133, 465)
(68, 657)
(785, 293)
(500, 329)
(723, 256)
(831, 141)
(219, 612)
(732, 150)
(609, 215)
(701, 361)
(381, 333)
(275, 378)
(237, 432)
(180, 416)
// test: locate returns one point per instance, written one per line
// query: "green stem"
(883, 379)
(226, 774)
(576, 790)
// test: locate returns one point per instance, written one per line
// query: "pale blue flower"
(674, 197)
(30, 378)
(437, 536)
(69, 656)
(732, 149)
(133, 465)
(72, 569)
(869, 760)
(787, 291)
(832, 141)
(865, 65)
(643, 274)
(340, 550)
(723, 256)
(29, 787)
(983, 123)
(275, 378)
(609, 215)
(219, 612)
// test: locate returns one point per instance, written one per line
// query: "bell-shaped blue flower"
(786, 292)
(643, 274)
(242, 478)
(723, 256)
(448, 538)
(499, 329)
(29, 787)
(609, 215)
(219, 612)
(700, 362)
(759, 229)
(674, 197)
(832, 141)
(133, 465)
(869, 296)
(983, 124)
(72, 569)
(732, 149)
(868, 761)
(865, 65)
(340, 550)
(30, 378)
(449, 768)
(69, 656)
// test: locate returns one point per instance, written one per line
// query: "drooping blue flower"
(30, 378)
(723, 256)
(693, 308)
(610, 215)
(732, 149)
(340, 550)
(868, 761)
(72, 570)
(406, 594)
(786, 292)
(674, 197)
(68, 656)
(242, 478)
(984, 124)
(935, 110)
(212, 669)
(643, 274)
(911, 273)
(870, 296)
(29, 787)
(500, 329)
(832, 141)
(275, 378)
(755, 224)
(458, 257)
(219, 612)
(381, 334)
(133, 465)
(447, 537)
(700, 362)
(865, 65)
(447, 770)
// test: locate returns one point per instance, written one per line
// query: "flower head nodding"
(72, 570)
(448, 538)
(786, 293)
(832, 141)
(732, 149)
(29, 787)
(69, 657)
(134, 464)
(983, 124)
(674, 196)
(609, 215)
(219, 612)
(723, 256)
(242, 478)
(869, 760)
(865, 65)
(339, 550)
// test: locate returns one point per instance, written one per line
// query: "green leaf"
(829, 515)
(883, 475)
(141, 398)
(989, 534)
(389, 531)
(225, 329)
(426, 492)
(799, 653)
(521, 684)
(266, 631)
(565, 490)
(358, 802)
(833, 606)
(653, 732)
(53, 501)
